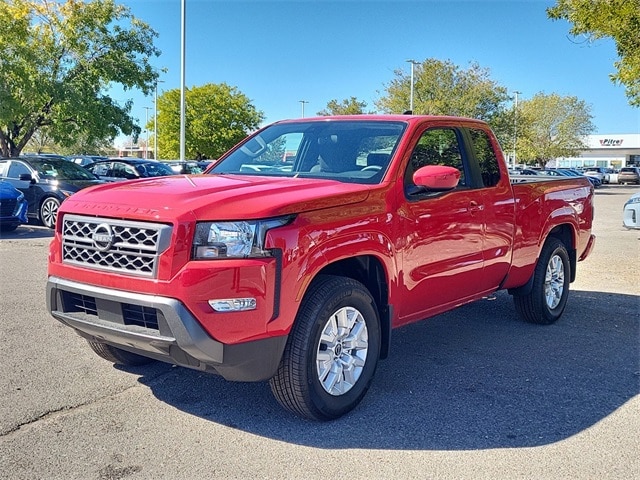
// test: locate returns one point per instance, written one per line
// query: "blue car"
(13, 207)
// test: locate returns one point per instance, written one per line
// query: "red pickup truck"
(295, 255)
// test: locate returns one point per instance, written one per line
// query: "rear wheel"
(332, 351)
(545, 302)
(118, 356)
(49, 211)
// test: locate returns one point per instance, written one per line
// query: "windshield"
(60, 169)
(356, 151)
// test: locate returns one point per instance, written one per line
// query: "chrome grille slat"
(114, 245)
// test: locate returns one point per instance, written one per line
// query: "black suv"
(45, 182)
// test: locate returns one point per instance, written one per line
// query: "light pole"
(183, 48)
(515, 128)
(302, 102)
(155, 122)
(146, 126)
(412, 62)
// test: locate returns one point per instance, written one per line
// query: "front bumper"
(158, 327)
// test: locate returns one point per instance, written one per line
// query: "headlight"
(240, 239)
(632, 200)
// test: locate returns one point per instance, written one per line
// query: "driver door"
(441, 232)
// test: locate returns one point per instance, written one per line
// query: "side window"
(119, 170)
(100, 169)
(437, 146)
(129, 171)
(486, 156)
(16, 169)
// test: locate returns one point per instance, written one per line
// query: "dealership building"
(609, 151)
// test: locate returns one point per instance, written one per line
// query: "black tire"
(119, 356)
(548, 297)
(302, 383)
(49, 211)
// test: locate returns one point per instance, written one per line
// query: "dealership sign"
(611, 142)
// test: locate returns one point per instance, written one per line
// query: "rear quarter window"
(486, 156)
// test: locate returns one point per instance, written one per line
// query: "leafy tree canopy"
(350, 106)
(217, 117)
(442, 88)
(551, 126)
(617, 19)
(58, 60)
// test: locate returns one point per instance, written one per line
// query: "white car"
(631, 212)
(598, 172)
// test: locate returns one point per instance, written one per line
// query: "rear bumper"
(158, 327)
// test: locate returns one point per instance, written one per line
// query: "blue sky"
(280, 52)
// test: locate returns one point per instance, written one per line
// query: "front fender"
(345, 247)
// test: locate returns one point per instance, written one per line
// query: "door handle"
(474, 207)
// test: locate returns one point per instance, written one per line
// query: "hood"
(213, 197)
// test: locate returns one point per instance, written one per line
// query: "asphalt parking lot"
(472, 394)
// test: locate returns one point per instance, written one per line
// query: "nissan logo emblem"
(102, 237)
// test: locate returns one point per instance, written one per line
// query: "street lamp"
(183, 51)
(302, 102)
(155, 122)
(412, 62)
(515, 128)
(146, 126)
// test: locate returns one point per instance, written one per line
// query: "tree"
(217, 117)
(58, 60)
(551, 126)
(350, 106)
(41, 142)
(617, 19)
(442, 88)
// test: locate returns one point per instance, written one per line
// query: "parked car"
(84, 160)
(298, 276)
(561, 172)
(184, 167)
(524, 171)
(629, 175)
(45, 183)
(204, 164)
(118, 169)
(631, 212)
(45, 155)
(13, 207)
(598, 172)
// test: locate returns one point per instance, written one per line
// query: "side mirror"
(437, 178)
(26, 177)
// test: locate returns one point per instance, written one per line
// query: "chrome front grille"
(114, 245)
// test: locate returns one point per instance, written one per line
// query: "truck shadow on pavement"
(474, 378)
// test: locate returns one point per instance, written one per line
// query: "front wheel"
(49, 211)
(332, 351)
(545, 302)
